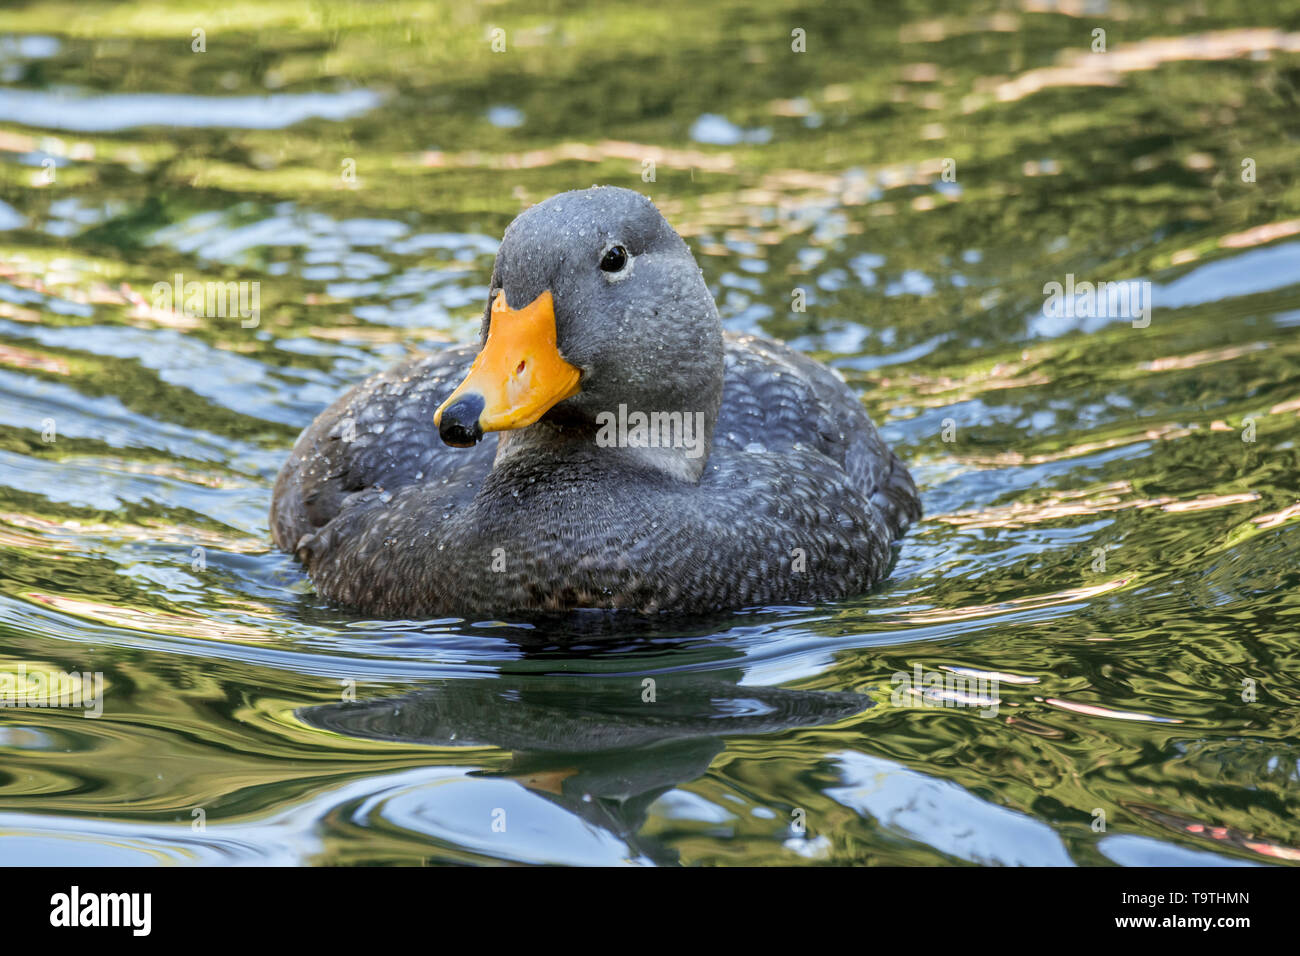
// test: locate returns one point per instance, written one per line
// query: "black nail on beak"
(459, 425)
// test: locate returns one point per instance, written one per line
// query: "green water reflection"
(1112, 510)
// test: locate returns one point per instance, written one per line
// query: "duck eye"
(615, 259)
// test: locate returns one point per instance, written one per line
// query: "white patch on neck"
(671, 461)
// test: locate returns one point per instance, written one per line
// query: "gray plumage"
(796, 499)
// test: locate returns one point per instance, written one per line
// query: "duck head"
(597, 309)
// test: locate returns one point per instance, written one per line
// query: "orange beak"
(514, 381)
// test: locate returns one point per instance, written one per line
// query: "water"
(1112, 507)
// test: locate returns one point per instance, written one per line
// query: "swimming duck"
(638, 456)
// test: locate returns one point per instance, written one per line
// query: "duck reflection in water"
(604, 748)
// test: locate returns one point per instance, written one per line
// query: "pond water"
(1108, 556)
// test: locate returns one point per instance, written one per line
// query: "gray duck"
(637, 457)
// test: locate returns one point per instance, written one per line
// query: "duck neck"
(674, 444)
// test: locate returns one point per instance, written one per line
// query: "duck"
(604, 445)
